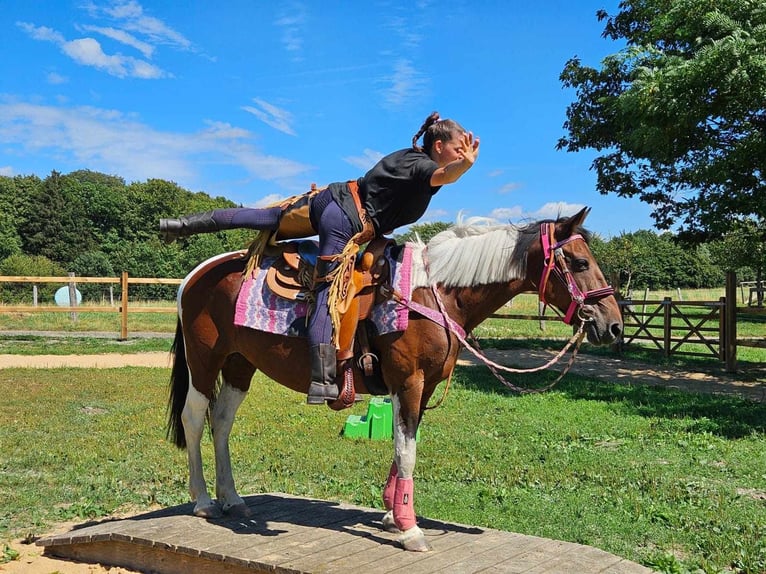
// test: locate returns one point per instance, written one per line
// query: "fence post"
(730, 322)
(124, 308)
(72, 297)
(667, 319)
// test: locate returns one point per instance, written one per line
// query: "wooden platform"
(289, 535)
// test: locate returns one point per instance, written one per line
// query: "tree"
(423, 230)
(29, 266)
(744, 251)
(678, 115)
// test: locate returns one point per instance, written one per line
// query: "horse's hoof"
(413, 540)
(389, 525)
(209, 512)
(238, 511)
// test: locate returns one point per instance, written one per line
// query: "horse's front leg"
(406, 415)
(222, 420)
(193, 419)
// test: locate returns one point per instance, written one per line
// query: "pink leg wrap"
(388, 491)
(404, 504)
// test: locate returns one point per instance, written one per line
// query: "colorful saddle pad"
(258, 308)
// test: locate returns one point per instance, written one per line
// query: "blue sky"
(254, 101)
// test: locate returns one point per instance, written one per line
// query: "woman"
(395, 192)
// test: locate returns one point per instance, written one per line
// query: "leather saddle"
(291, 276)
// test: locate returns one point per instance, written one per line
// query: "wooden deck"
(289, 535)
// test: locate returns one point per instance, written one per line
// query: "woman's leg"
(218, 220)
(335, 231)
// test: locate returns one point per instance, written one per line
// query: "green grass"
(673, 480)
(97, 321)
(74, 345)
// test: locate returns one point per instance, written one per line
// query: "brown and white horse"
(466, 272)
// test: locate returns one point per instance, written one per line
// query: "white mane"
(469, 254)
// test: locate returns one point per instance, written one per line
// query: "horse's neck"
(472, 305)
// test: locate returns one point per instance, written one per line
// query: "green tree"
(423, 230)
(22, 265)
(678, 115)
(743, 250)
(54, 223)
(93, 264)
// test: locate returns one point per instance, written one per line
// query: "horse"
(464, 274)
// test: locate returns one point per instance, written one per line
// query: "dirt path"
(104, 361)
(751, 385)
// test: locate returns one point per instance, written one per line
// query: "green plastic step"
(377, 424)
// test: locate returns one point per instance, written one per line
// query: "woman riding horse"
(395, 192)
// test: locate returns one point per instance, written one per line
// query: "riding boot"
(322, 387)
(172, 229)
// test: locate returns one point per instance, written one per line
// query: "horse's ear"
(572, 223)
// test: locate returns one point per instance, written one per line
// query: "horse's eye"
(580, 265)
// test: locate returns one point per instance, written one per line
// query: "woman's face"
(445, 152)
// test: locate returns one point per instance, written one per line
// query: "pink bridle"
(553, 254)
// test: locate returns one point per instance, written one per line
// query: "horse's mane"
(475, 252)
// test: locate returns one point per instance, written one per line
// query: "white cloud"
(6, 170)
(506, 214)
(406, 83)
(42, 33)
(113, 142)
(88, 52)
(124, 38)
(292, 22)
(271, 115)
(365, 161)
(130, 16)
(556, 209)
(56, 78)
(268, 200)
(509, 187)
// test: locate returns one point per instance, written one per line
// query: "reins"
(554, 263)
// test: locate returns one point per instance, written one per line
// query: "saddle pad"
(258, 308)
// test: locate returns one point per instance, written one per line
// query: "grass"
(673, 480)
(74, 345)
(676, 481)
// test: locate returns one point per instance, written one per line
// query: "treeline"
(98, 225)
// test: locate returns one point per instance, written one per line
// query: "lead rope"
(575, 339)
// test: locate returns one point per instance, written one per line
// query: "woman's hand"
(466, 150)
(469, 147)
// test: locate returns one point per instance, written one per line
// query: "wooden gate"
(694, 328)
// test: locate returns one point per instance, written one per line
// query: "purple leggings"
(247, 218)
(335, 231)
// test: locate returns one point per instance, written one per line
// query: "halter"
(554, 261)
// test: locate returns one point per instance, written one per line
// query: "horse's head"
(571, 280)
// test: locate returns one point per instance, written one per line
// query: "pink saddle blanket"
(259, 308)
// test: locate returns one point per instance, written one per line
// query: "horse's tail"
(179, 388)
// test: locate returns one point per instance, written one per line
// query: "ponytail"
(435, 129)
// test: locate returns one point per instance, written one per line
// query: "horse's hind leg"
(236, 374)
(193, 419)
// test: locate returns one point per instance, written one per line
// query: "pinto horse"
(465, 273)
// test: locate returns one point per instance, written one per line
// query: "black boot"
(172, 229)
(322, 387)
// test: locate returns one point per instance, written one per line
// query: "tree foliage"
(424, 231)
(678, 116)
(644, 259)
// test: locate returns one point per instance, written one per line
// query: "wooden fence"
(672, 326)
(124, 282)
